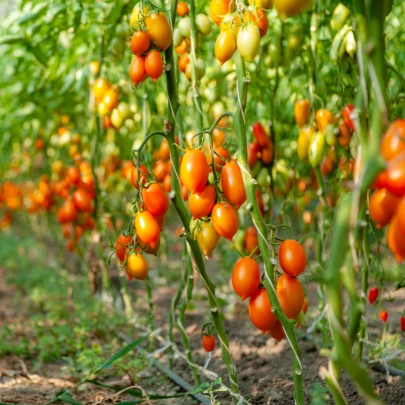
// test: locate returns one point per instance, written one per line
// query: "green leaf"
(65, 397)
(11, 39)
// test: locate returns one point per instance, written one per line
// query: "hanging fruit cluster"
(260, 151)
(246, 282)
(105, 96)
(152, 35)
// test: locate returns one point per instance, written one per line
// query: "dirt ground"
(264, 365)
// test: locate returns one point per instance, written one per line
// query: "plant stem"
(151, 323)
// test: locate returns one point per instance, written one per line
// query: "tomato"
(154, 65)
(219, 8)
(203, 24)
(70, 245)
(220, 158)
(277, 331)
(265, 4)
(208, 342)
(167, 183)
(147, 228)
(155, 199)
(137, 71)
(134, 175)
(347, 113)
(183, 62)
(107, 122)
(393, 142)
(140, 43)
(182, 9)
(160, 170)
(373, 295)
(159, 30)
(183, 48)
(207, 237)
(327, 166)
(67, 212)
(231, 22)
(116, 119)
(225, 46)
(94, 67)
(253, 150)
(384, 316)
(225, 220)
(267, 154)
(248, 42)
(218, 137)
(302, 112)
(201, 204)
(345, 135)
(246, 277)
(146, 248)
(137, 267)
(260, 311)
(164, 150)
(323, 119)
(260, 201)
(73, 175)
(304, 140)
(394, 180)
(383, 206)
(292, 257)
(138, 14)
(184, 27)
(110, 99)
(259, 18)
(194, 170)
(232, 184)
(339, 17)
(251, 240)
(290, 8)
(291, 295)
(316, 149)
(100, 87)
(260, 134)
(396, 240)
(82, 200)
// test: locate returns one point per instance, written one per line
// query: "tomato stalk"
(148, 286)
(253, 207)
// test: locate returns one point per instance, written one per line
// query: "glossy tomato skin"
(219, 8)
(208, 343)
(147, 228)
(140, 42)
(159, 30)
(251, 240)
(396, 240)
(137, 71)
(260, 134)
(245, 277)
(302, 112)
(393, 142)
(225, 220)
(194, 170)
(291, 295)
(164, 150)
(293, 258)
(207, 238)
(201, 204)
(155, 199)
(373, 295)
(260, 311)
(137, 267)
(277, 331)
(154, 65)
(232, 184)
(225, 46)
(248, 42)
(383, 206)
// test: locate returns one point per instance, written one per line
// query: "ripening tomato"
(70, 245)
(201, 204)
(277, 331)
(259, 18)
(230, 22)
(394, 179)
(154, 65)
(73, 175)
(147, 228)
(219, 8)
(146, 248)
(138, 13)
(267, 154)
(400, 213)
(140, 43)
(345, 135)
(248, 42)
(264, 4)
(137, 71)
(137, 267)
(304, 140)
(373, 295)
(155, 199)
(393, 142)
(246, 277)
(383, 206)
(384, 316)
(134, 175)
(182, 9)
(183, 62)
(251, 241)
(260, 312)
(225, 220)
(110, 99)
(291, 295)
(289, 8)
(316, 149)
(67, 212)
(396, 240)
(302, 112)
(347, 116)
(225, 46)
(207, 237)
(167, 183)
(208, 342)
(159, 30)
(292, 257)
(82, 200)
(323, 119)
(232, 184)
(100, 87)
(203, 24)
(194, 170)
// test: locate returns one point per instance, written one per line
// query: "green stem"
(151, 323)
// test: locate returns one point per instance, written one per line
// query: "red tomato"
(384, 315)
(293, 258)
(393, 142)
(82, 200)
(154, 65)
(140, 42)
(251, 240)
(225, 220)
(396, 240)
(208, 343)
(194, 170)
(201, 204)
(347, 112)
(160, 170)
(291, 295)
(134, 175)
(246, 277)
(253, 150)
(260, 134)
(147, 228)
(383, 206)
(232, 184)
(373, 295)
(277, 331)
(260, 201)
(155, 199)
(67, 212)
(137, 71)
(218, 137)
(260, 311)
(401, 215)
(164, 150)
(73, 175)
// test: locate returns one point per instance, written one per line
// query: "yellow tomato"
(137, 266)
(159, 30)
(137, 15)
(289, 8)
(225, 46)
(207, 238)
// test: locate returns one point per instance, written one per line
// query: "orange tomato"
(393, 142)
(182, 9)
(159, 30)
(260, 312)
(277, 331)
(164, 150)
(208, 343)
(219, 8)
(82, 200)
(245, 277)
(259, 18)
(291, 295)
(183, 62)
(155, 199)
(194, 170)
(154, 65)
(140, 43)
(147, 228)
(218, 137)
(323, 119)
(225, 220)
(251, 240)
(292, 257)
(100, 87)
(137, 71)
(110, 99)
(302, 112)
(137, 267)
(201, 204)
(134, 175)
(232, 184)
(383, 206)
(396, 240)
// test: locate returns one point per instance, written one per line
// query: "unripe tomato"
(259, 18)
(154, 65)
(208, 343)
(194, 170)
(203, 24)
(373, 295)
(183, 62)
(82, 200)
(134, 175)
(384, 316)
(182, 9)
(225, 220)
(246, 277)
(232, 184)
(347, 113)
(394, 179)
(137, 72)
(393, 142)
(302, 112)
(383, 206)
(159, 30)
(225, 46)
(291, 295)
(292, 257)
(147, 228)
(260, 312)
(304, 140)
(201, 204)
(140, 43)
(289, 8)
(100, 87)
(137, 267)
(155, 199)
(330, 136)
(323, 119)
(110, 99)
(251, 241)
(219, 8)
(207, 238)
(248, 42)
(339, 17)
(138, 14)
(316, 149)
(184, 27)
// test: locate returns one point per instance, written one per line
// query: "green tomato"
(248, 42)
(330, 136)
(351, 45)
(185, 27)
(124, 109)
(316, 149)
(203, 24)
(177, 38)
(239, 240)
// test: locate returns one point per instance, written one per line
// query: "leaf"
(65, 397)
(56, 9)
(11, 39)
